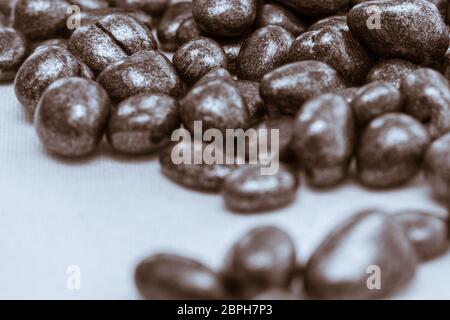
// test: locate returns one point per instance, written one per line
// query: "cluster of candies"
(341, 80)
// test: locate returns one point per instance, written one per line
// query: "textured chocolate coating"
(71, 116)
(338, 268)
(167, 277)
(143, 124)
(90, 4)
(217, 103)
(266, 49)
(391, 150)
(147, 71)
(246, 190)
(272, 14)
(374, 100)
(196, 58)
(39, 70)
(336, 47)
(427, 98)
(111, 39)
(58, 42)
(263, 259)
(409, 29)
(255, 104)
(13, 49)
(38, 19)
(202, 177)
(338, 21)
(289, 86)
(324, 139)
(225, 17)
(428, 233)
(393, 71)
(437, 167)
(215, 74)
(188, 31)
(170, 22)
(153, 7)
(316, 7)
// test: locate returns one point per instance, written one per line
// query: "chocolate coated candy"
(188, 31)
(391, 150)
(248, 190)
(147, 71)
(263, 259)
(407, 29)
(154, 7)
(13, 47)
(393, 71)
(437, 167)
(336, 47)
(374, 100)
(71, 116)
(170, 22)
(255, 105)
(324, 139)
(289, 86)
(427, 98)
(38, 19)
(343, 264)
(316, 7)
(143, 124)
(225, 17)
(266, 49)
(277, 15)
(196, 58)
(428, 233)
(166, 276)
(42, 68)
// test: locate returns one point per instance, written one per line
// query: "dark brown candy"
(38, 19)
(427, 98)
(58, 42)
(13, 49)
(336, 47)
(188, 31)
(324, 139)
(166, 277)
(375, 99)
(263, 259)
(226, 17)
(391, 150)
(255, 104)
(196, 58)
(277, 15)
(289, 86)
(338, 21)
(393, 71)
(217, 103)
(214, 74)
(437, 167)
(170, 22)
(177, 163)
(266, 49)
(42, 68)
(153, 7)
(428, 233)
(109, 40)
(147, 71)
(316, 7)
(247, 189)
(405, 29)
(71, 116)
(366, 257)
(90, 4)
(143, 124)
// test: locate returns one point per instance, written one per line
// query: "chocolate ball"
(266, 49)
(393, 71)
(188, 31)
(271, 14)
(13, 49)
(143, 124)
(147, 71)
(196, 58)
(71, 116)
(225, 17)
(391, 150)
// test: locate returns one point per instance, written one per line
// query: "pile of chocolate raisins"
(356, 89)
